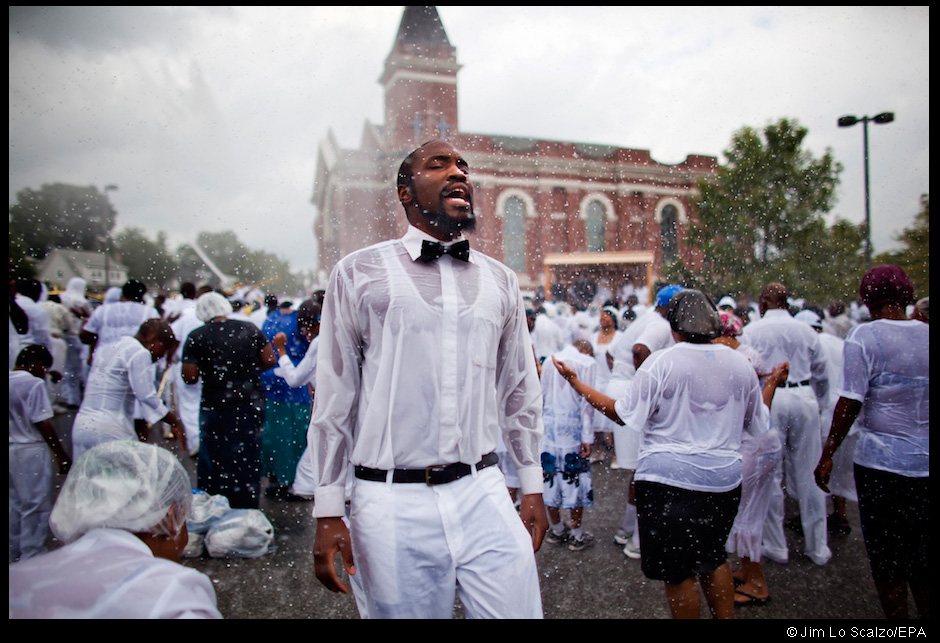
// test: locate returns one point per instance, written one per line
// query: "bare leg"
(921, 600)
(893, 595)
(752, 582)
(719, 591)
(576, 515)
(683, 598)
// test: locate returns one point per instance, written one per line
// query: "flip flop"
(752, 601)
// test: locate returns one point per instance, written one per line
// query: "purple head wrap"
(886, 284)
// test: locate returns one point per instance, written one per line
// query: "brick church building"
(554, 211)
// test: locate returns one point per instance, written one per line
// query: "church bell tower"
(420, 81)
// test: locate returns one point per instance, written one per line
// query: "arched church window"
(514, 233)
(668, 230)
(594, 226)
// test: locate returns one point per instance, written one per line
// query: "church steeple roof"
(420, 80)
(421, 26)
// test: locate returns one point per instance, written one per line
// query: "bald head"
(774, 295)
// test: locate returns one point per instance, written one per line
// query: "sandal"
(752, 601)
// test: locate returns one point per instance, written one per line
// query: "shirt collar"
(414, 237)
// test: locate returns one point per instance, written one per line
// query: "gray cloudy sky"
(208, 118)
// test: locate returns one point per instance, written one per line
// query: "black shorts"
(894, 512)
(683, 533)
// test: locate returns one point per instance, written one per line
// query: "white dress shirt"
(422, 364)
(778, 337)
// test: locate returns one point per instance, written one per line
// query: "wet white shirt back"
(110, 322)
(568, 418)
(622, 348)
(887, 368)
(108, 573)
(422, 364)
(691, 404)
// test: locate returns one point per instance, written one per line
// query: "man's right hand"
(332, 538)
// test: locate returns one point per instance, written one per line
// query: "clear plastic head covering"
(123, 484)
(211, 305)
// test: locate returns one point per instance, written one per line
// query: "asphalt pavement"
(596, 583)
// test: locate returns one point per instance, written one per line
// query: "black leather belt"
(433, 475)
(796, 384)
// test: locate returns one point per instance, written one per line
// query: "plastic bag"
(241, 533)
(194, 546)
(206, 511)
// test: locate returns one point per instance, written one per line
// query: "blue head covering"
(666, 293)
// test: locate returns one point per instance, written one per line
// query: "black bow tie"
(433, 250)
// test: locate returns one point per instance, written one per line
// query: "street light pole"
(107, 250)
(849, 121)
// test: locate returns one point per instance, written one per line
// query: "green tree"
(914, 257)
(58, 215)
(146, 259)
(761, 219)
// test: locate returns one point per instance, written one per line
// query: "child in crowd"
(33, 445)
(566, 447)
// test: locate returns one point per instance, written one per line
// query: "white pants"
(31, 475)
(416, 547)
(188, 402)
(795, 415)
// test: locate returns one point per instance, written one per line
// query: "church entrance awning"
(614, 268)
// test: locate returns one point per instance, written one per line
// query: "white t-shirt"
(29, 404)
(622, 348)
(691, 403)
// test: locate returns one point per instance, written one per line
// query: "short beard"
(449, 226)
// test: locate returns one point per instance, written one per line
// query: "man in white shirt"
(656, 334)
(422, 362)
(547, 336)
(778, 337)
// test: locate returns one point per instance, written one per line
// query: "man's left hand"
(534, 518)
